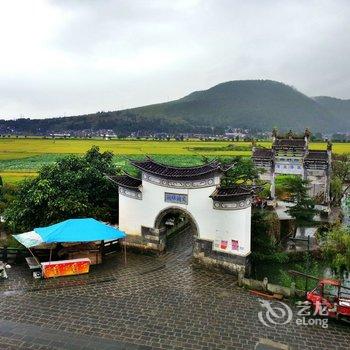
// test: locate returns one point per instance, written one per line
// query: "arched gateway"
(221, 217)
(171, 212)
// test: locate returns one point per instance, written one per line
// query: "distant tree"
(72, 187)
(243, 172)
(340, 182)
(265, 247)
(336, 249)
(303, 210)
(7, 195)
(341, 167)
(336, 188)
(316, 137)
(339, 137)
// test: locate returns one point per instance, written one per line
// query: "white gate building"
(220, 217)
(290, 155)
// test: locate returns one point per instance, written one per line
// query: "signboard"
(65, 267)
(175, 198)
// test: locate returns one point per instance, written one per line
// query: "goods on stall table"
(3, 273)
(65, 267)
(95, 256)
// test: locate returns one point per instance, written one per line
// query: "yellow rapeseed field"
(13, 148)
(22, 148)
(14, 177)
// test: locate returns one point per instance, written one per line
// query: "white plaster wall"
(289, 168)
(318, 182)
(228, 225)
(266, 176)
(130, 215)
(213, 224)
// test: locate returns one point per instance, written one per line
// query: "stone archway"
(178, 227)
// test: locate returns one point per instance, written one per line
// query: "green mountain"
(254, 104)
(257, 104)
(339, 109)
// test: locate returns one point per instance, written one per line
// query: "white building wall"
(131, 212)
(292, 168)
(266, 176)
(213, 224)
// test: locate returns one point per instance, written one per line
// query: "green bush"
(335, 247)
(265, 247)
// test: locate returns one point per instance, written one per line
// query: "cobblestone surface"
(154, 302)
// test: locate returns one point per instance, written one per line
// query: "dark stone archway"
(161, 217)
(178, 228)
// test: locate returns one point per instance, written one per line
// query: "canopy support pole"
(50, 254)
(34, 256)
(125, 262)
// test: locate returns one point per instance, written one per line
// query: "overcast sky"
(68, 57)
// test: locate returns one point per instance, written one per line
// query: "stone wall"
(204, 254)
(151, 239)
(265, 286)
(154, 240)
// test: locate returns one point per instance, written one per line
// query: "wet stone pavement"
(162, 302)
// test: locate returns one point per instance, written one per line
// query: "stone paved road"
(153, 303)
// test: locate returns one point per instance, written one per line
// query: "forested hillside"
(253, 104)
(259, 104)
(339, 109)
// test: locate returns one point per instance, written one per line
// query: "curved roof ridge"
(127, 174)
(179, 167)
(231, 192)
(152, 167)
(126, 181)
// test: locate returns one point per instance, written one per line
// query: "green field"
(14, 177)
(22, 157)
(12, 148)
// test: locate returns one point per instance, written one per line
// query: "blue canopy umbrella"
(78, 230)
(72, 230)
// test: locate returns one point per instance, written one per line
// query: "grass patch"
(15, 177)
(239, 149)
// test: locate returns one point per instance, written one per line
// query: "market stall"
(78, 239)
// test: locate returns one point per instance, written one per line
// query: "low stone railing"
(265, 286)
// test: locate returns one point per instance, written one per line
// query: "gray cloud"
(72, 57)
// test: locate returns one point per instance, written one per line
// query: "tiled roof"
(229, 193)
(317, 155)
(262, 153)
(162, 170)
(126, 181)
(289, 143)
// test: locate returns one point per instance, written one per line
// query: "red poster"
(223, 245)
(234, 244)
(65, 267)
